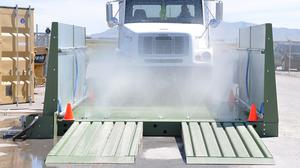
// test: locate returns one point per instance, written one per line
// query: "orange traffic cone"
(69, 113)
(253, 115)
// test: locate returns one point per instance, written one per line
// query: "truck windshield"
(164, 11)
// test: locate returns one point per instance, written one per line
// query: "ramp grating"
(98, 142)
(223, 143)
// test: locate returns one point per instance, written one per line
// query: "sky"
(91, 13)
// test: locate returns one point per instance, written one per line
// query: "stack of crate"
(40, 65)
(41, 53)
(16, 55)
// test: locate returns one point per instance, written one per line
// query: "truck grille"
(164, 45)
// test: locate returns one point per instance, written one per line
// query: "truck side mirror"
(219, 15)
(110, 19)
(219, 11)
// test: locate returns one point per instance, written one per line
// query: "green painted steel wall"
(67, 66)
(66, 77)
(257, 43)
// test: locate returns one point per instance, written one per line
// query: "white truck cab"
(165, 32)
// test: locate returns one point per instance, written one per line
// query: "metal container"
(16, 55)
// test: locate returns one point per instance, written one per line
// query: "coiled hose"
(22, 135)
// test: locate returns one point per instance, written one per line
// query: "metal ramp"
(223, 143)
(98, 142)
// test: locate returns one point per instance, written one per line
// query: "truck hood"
(192, 29)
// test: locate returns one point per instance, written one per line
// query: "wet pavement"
(10, 114)
(26, 154)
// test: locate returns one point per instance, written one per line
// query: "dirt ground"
(166, 151)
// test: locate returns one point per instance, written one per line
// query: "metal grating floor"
(98, 142)
(223, 143)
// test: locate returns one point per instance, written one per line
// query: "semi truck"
(166, 44)
(165, 32)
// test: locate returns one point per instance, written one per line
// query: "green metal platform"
(113, 134)
(223, 143)
(118, 142)
(97, 142)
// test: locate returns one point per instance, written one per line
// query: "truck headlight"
(203, 57)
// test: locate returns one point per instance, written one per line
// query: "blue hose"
(262, 108)
(59, 109)
(76, 77)
(247, 77)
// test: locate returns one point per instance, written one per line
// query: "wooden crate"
(41, 51)
(9, 92)
(16, 43)
(9, 42)
(12, 26)
(0, 43)
(19, 92)
(8, 66)
(6, 93)
(8, 18)
(29, 85)
(39, 70)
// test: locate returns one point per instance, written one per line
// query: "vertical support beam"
(270, 125)
(51, 94)
(44, 127)
(31, 54)
(17, 54)
(0, 45)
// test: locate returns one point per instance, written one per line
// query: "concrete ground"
(11, 113)
(167, 151)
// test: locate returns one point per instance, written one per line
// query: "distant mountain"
(109, 34)
(284, 34)
(227, 32)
